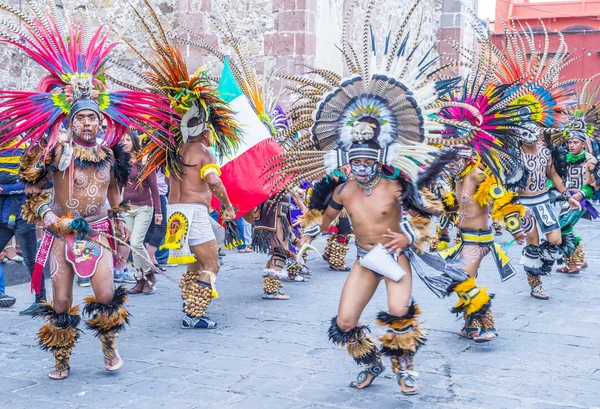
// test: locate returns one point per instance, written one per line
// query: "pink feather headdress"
(74, 57)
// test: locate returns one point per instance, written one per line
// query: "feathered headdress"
(536, 94)
(382, 110)
(486, 116)
(75, 57)
(260, 93)
(584, 116)
(197, 104)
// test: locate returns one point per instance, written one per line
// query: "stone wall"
(286, 34)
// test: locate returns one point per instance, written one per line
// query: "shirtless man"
(96, 177)
(581, 182)
(374, 207)
(475, 192)
(189, 220)
(538, 259)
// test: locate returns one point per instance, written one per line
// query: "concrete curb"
(17, 273)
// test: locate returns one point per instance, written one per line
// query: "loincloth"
(482, 238)
(187, 225)
(542, 211)
(82, 255)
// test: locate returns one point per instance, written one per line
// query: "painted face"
(457, 166)
(529, 134)
(575, 146)
(85, 125)
(364, 170)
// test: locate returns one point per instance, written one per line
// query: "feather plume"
(69, 57)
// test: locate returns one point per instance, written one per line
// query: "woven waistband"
(542, 198)
(476, 236)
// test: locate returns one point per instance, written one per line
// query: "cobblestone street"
(268, 354)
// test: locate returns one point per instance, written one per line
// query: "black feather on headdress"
(121, 164)
(323, 191)
(433, 171)
(559, 160)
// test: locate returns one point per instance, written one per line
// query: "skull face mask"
(193, 123)
(529, 133)
(364, 172)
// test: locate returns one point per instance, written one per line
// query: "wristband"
(566, 194)
(43, 210)
(117, 214)
(407, 229)
(123, 207)
(313, 231)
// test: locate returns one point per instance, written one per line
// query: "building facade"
(577, 20)
(281, 36)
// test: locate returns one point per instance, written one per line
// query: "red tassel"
(36, 278)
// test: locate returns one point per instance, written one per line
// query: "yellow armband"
(208, 169)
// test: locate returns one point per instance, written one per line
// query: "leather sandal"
(468, 332)
(366, 377)
(60, 371)
(113, 364)
(275, 296)
(344, 268)
(138, 288)
(566, 270)
(539, 292)
(486, 335)
(406, 380)
(296, 279)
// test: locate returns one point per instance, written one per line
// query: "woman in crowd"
(145, 205)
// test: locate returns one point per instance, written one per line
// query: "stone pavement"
(275, 354)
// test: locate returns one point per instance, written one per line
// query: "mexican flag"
(243, 175)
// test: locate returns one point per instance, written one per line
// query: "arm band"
(335, 205)
(587, 192)
(208, 169)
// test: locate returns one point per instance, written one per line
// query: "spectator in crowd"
(145, 205)
(5, 299)
(10, 227)
(156, 233)
(244, 247)
(247, 231)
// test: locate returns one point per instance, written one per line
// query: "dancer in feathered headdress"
(375, 122)
(487, 165)
(541, 102)
(579, 170)
(273, 233)
(205, 125)
(85, 166)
